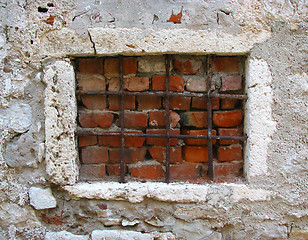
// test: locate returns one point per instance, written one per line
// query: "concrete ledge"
(137, 41)
(174, 192)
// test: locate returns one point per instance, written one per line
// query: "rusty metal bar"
(122, 163)
(209, 121)
(167, 65)
(160, 93)
(85, 132)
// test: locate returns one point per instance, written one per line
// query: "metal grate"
(209, 95)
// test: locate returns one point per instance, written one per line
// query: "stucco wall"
(35, 50)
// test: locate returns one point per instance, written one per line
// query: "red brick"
(159, 154)
(227, 171)
(179, 103)
(196, 85)
(135, 119)
(136, 84)
(227, 118)
(130, 84)
(115, 169)
(111, 67)
(91, 120)
(201, 103)
(84, 141)
(131, 155)
(176, 83)
(92, 171)
(191, 141)
(230, 83)
(229, 132)
(228, 103)
(91, 82)
(114, 84)
(134, 141)
(94, 154)
(185, 171)
(114, 102)
(195, 154)
(161, 141)
(187, 67)
(94, 102)
(158, 118)
(194, 119)
(148, 102)
(148, 172)
(229, 153)
(115, 141)
(90, 65)
(129, 66)
(226, 64)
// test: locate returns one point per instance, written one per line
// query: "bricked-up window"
(151, 118)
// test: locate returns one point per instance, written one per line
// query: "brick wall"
(145, 156)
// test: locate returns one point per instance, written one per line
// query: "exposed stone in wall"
(35, 36)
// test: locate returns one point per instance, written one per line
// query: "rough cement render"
(32, 52)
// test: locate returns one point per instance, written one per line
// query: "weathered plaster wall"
(272, 205)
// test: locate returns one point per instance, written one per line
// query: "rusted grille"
(166, 94)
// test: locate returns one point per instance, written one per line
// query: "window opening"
(229, 87)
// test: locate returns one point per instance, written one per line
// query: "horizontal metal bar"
(162, 93)
(179, 136)
(225, 95)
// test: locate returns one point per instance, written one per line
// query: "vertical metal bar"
(122, 163)
(167, 96)
(209, 121)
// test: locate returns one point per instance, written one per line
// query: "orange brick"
(195, 154)
(90, 65)
(91, 82)
(114, 102)
(229, 132)
(91, 120)
(201, 103)
(185, 171)
(131, 155)
(191, 141)
(92, 171)
(176, 83)
(148, 102)
(194, 119)
(227, 118)
(161, 141)
(148, 172)
(94, 154)
(94, 102)
(84, 141)
(226, 64)
(229, 153)
(159, 154)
